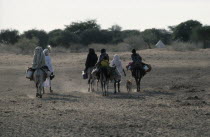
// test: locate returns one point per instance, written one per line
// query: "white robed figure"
(116, 62)
(48, 62)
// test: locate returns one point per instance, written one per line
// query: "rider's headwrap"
(134, 51)
(46, 52)
(49, 48)
(116, 61)
(39, 59)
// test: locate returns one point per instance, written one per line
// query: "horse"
(138, 73)
(104, 80)
(39, 77)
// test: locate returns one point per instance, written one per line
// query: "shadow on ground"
(61, 97)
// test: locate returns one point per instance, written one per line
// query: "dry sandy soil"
(174, 99)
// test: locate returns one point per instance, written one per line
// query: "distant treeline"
(88, 32)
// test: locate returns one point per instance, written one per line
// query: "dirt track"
(174, 99)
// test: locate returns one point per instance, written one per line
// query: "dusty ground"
(174, 99)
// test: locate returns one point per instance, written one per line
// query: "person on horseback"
(39, 70)
(48, 62)
(103, 61)
(38, 59)
(136, 62)
(116, 72)
(102, 56)
(91, 61)
(116, 62)
(135, 56)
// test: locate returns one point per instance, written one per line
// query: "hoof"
(37, 94)
(40, 96)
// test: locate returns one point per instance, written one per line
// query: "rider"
(91, 60)
(103, 61)
(38, 59)
(116, 62)
(136, 57)
(137, 61)
(102, 56)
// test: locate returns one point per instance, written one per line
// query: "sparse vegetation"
(78, 36)
(185, 46)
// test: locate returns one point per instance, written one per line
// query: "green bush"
(27, 45)
(136, 42)
(8, 48)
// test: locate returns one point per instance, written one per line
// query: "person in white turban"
(48, 62)
(116, 62)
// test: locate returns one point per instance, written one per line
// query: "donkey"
(138, 73)
(104, 80)
(39, 77)
(92, 76)
(116, 77)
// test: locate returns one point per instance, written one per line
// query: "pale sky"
(129, 14)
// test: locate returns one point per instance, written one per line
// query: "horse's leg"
(136, 79)
(43, 88)
(107, 85)
(118, 86)
(92, 85)
(97, 85)
(50, 86)
(115, 83)
(102, 86)
(139, 83)
(37, 90)
(89, 84)
(40, 89)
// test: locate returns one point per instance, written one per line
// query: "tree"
(130, 33)
(79, 27)
(203, 34)
(115, 28)
(152, 36)
(116, 33)
(183, 31)
(9, 36)
(55, 37)
(41, 35)
(95, 36)
(68, 38)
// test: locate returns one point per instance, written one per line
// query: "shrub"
(185, 46)
(40, 35)
(7, 48)
(9, 36)
(111, 47)
(27, 45)
(136, 42)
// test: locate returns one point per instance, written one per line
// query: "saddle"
(30, 71)
(137, 65)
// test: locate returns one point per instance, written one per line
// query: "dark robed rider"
(91, 59)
